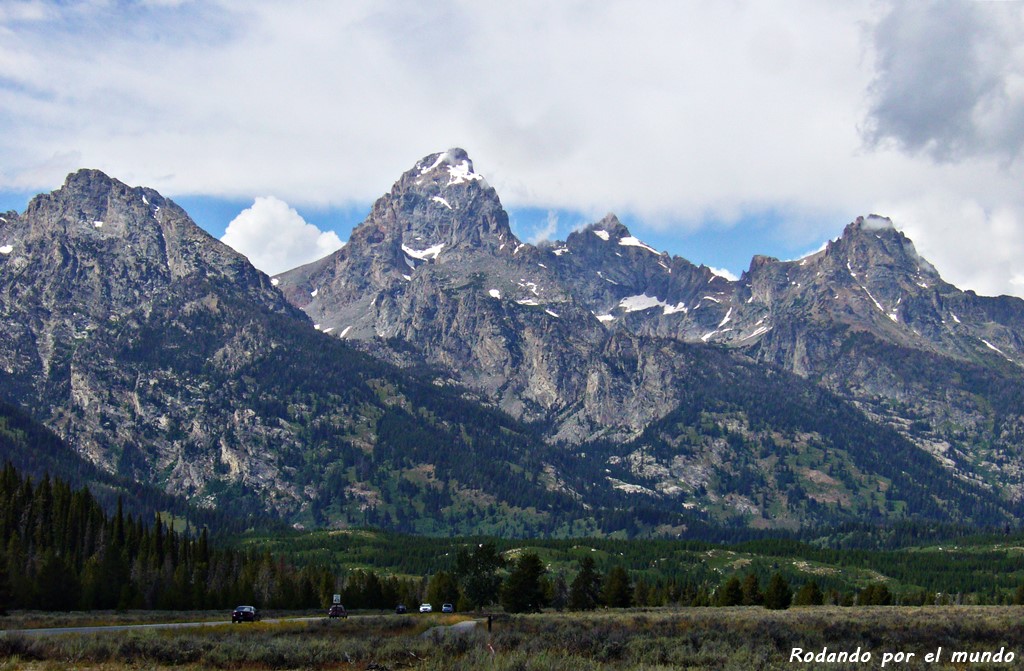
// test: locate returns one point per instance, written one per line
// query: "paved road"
(463, 627)
(51, 631)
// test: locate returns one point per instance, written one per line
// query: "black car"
(337, 610)
(245, 614)
(400, 609)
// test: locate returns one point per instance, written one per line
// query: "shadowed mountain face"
(586, 386)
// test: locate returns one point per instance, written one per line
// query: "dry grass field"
(716, 639)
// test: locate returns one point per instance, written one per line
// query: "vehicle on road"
(447, 608)
(426, 608)
(245, 614)
(337, 610)
(400, 609)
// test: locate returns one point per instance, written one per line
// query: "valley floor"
(979, 637)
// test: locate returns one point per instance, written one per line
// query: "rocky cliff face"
(578, 334)
(92, 271)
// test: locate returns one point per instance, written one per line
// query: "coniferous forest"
(61, 551)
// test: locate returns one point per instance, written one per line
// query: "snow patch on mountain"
(424, 254)
(640, 303)
(630, 241)
(462, 172)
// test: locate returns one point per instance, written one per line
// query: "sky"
(714, 130)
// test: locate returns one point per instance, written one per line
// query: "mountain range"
(439, 375)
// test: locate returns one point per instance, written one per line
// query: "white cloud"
(678, 114)
(548, 231)
(969, 245)
(276, 238)
(723, 272)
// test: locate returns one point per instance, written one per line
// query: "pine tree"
(778, 595)
(559, 593)
(1018, 595)
(443, 588)
(523, 591)
(730, 593)
(752, 595)
(809, 595)
(875, 594)
(618, 591)
(585, 589)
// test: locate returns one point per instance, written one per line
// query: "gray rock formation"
(579, 334)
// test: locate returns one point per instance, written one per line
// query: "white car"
(426, 608)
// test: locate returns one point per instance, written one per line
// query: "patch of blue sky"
(16, 201)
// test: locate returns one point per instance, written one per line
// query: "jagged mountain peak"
(88, 184)
(441, 203)
(110, 242)
(610, 224)
(443, 176)
(455, 162)
(873, 243)
(610, 230)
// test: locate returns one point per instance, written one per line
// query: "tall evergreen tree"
(730, 593)
(618, 590)
(524, 589)
(559, 593)
(585, 589)
(875, 594)
(778, 595)
(443, 588)
(752, 595)
(809, 595)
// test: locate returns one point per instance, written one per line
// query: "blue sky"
(714, 130)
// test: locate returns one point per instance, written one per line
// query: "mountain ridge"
(544, 318)
(594, 385)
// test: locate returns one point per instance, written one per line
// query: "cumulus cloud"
(950, 79)
(276, 238)
(723, 272)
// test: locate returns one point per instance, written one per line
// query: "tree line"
(59, 550)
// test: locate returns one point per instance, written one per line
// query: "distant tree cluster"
(60, 551)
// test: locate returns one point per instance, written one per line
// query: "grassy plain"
(633, 640)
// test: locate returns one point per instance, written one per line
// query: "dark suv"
(245, 614)
(337, 610)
